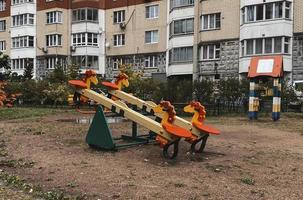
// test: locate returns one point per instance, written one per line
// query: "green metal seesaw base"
(99, 135)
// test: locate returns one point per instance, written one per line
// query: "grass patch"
(248, 181)
(19, 113)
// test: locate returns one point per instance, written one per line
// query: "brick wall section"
(138, 62)
(298, 57)
(228, 64)
(7, 11)
(298, 16)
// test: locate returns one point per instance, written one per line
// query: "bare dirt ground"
(249, 160)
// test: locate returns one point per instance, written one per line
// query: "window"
(2, 5)
(268, 45)
(2, 25)
(2, 45)
(117, 62)
(151, 37)
(183, 26)
(86, 61)
(267, 11)
(181, 3)
(85, 39)
(286, 44)
(152, 12)
(53, 62)
(151, 61)
(250, 13)
(119, 40)
(15, 2)
(21, 63)
(23, 41)
(260, 12)
(259, 46)
(211, 21)
(54, 17)
(53, 40)
(276, 45)
(23, 19)
(210, 52)
(287, 9)
(278, 9)
(180, 55)
(249, 47)
(85, 14)
(119, 16)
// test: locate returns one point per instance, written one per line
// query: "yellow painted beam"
(149, 106)
(128, 113)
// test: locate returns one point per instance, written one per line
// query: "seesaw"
(200, 132)
(99, 134)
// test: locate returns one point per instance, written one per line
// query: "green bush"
(204, 91)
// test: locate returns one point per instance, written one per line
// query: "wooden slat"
(140, 103)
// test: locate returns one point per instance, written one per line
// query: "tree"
(57, 75)
(204, 90)
(57, 93)
(28, 71)
(73, 72)
(4, 61)
(230, 89)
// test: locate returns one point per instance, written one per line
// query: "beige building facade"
(184, 39)
(218, 38)
(136, 35)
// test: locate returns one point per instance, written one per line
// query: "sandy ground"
(249, 160)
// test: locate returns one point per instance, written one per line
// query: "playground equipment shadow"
(248, 161)
(88, 120)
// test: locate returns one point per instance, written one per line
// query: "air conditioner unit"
(72, 48)
(44, 49)
(122, 25)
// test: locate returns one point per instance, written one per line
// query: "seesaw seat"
(176, 130)
(78, 83)
(206, 129)
(110, 85)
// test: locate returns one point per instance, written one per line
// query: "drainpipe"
(196, 41)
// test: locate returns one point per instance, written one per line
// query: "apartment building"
(266, 29)
(211, 39)
(217, 38)
(180, 37)
(297, 51)
(48, 33)
(136, 36)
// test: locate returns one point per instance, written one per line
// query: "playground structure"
(167, 129)
(268, 67)
(5, 99)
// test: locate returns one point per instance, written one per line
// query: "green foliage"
(18, 113)
(28, 71)
(4, 61)
(72, 72)
(57, 75)
(142, 88)
(32, 91)
(230, 89)
(57, 93)
(288, 92)
(13, 87)
(204, 90)
(179, 91)
(14, 77)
